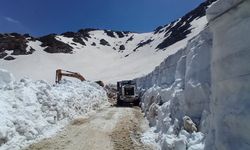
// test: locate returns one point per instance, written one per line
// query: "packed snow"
(32, 110)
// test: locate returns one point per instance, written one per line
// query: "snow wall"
(181, 76)
(230, 68)
(209, 81)
(179, 86)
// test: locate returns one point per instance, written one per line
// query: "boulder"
(122, 47)
(54, 46)
(189, 125)
(104, 42)
(9, 58)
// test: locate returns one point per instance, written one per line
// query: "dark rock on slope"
(53, 45)
(85, 33)
(120, 34)
(9, 58)
(79, 40)
(77, 37)
(158, 30)
(122, 47)
(143, 43)
(130, 39)
(104, 42)
(14, 42)
(110, 33)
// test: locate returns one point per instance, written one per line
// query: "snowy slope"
(101, 54)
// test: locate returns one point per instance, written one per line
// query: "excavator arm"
(60, 73)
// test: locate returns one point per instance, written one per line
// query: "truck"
(127, 93)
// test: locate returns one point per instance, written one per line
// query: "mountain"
(99, 54)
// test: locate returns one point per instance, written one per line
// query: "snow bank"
(230, 119)
(180, 86)
(31, 110)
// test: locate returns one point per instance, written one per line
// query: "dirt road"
(109, 129)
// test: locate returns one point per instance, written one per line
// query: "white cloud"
(9, 19)
(9, 24)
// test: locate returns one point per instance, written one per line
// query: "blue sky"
(40, 17)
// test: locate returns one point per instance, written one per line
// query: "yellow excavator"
(60, 73)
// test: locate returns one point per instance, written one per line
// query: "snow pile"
(31, 110)
(180, 86)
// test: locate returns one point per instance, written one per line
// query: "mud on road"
(115, 128)
(127, 133)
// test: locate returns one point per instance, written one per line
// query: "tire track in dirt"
(127, 133)
(109, 129)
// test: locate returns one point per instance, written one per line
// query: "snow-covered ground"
(207, 81)
(31, 110)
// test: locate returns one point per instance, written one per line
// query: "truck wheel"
(137, 102)
(119, 102)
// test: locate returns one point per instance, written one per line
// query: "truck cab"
(127, 93)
